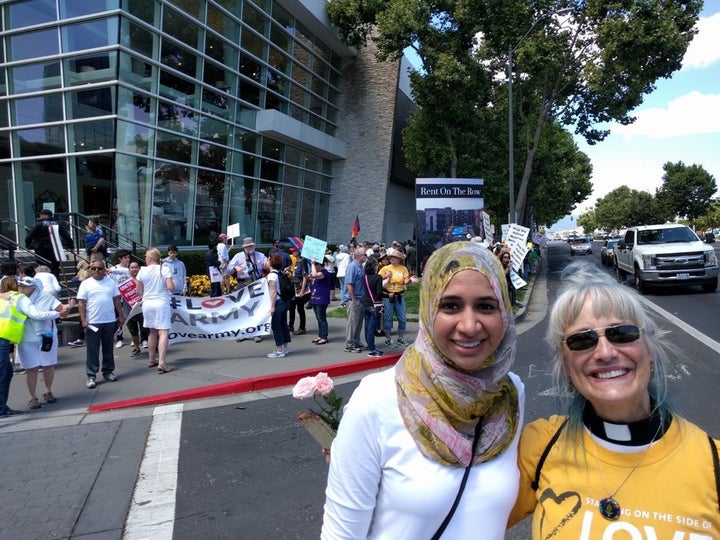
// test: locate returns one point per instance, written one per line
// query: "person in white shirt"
(120, 273)
(177, 270)
(155, 286)
(342, 259)
(224, 258)
(440, 427)
(48, 281)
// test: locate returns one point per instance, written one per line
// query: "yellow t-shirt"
(397, 273)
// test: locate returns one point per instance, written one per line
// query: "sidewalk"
(200, 371)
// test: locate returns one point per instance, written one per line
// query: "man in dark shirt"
(39, 240)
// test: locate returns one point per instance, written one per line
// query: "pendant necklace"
(609, 507)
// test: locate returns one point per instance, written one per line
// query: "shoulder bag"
(378, 306)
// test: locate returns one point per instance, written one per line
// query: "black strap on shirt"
(545, 453)
(446, 521)
(716, 467)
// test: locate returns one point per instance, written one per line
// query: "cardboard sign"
(314, 249)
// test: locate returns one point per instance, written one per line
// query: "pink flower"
(323, 384)
(305, 388)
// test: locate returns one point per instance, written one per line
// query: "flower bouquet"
(321, 425)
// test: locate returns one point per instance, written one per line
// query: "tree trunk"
(521, 201)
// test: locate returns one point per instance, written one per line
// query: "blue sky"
(679, 121)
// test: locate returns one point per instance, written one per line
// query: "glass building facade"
(168, 120)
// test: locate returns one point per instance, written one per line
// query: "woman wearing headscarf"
(429, 445)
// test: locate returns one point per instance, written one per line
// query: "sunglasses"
(96, 268)
(588, 339)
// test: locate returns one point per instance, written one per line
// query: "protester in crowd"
(395, 280)
(10, 268)
(278, 309)
(373, 297)
(320, 280)
(329, 263)
(121, 273)
(98, 302)
(38, 349)
(39, 240)
(342, 260)
(248, 264)
(155, 286)
(428, 448)
(610, 463)
(223, 254)
(95, 240)
(302, 295)
(48, 281)
(504, 256)
(135, 325)
(411, 257)
(355, 286)
(212, 268)
(177, 269)
(19, 314)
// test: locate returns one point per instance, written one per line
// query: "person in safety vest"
(15, 307)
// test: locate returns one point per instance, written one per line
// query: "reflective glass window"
(38, 109)
(218, 77)
(215, 103)
(233, 6)
(177, 118)
(4, 114)
(78, 8)
(214, 130)
(279, 61)
(255, 20)
(90, 34)
(272, 149)
(212, 157)
(222, 24)
(33, 45)
(178, 58)
(133, 138)
(280, 38)
(208, 205)
(303, 35)
(173, 146)
(171, 85)
(90, 103)
(253, 44)
(142, 9)
(97, 135)
(301, 75)
(90, 68)
(171, 206)
(41, 141)
(180, 27)
(33, 77)
(136, 71)
(137, 38)
(268, 206)
(28, 13)
(134, 105)
(4, 154)
(190, 6)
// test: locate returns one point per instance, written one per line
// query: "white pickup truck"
(669, 254)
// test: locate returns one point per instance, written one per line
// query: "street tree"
(710, 219)
(625, 207)
(686, 190)
(593, 66)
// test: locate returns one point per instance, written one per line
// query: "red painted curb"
(248, 385)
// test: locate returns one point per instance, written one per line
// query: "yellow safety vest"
(12, 321)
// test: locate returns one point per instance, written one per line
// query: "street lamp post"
(511, 149)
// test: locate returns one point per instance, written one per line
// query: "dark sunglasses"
(588, 339)
(96, 268)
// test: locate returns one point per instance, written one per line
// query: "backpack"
(285, 286)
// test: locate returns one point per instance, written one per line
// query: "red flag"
(356, 226)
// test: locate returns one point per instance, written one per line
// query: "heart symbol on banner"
(213, 303)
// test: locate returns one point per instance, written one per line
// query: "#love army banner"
(241, 314)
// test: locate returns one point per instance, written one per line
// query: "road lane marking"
(152, 509)
(702, 338)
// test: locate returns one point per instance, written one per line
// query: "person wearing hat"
(247, 266)
(39, 240)
(19, 313)
(223, 254)
(38, 348)
(395, 280)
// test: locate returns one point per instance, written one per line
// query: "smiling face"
(613, 377)
(468, 326)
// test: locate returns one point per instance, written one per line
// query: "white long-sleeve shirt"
(381, 486)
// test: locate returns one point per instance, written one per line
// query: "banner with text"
(447, 210)
(241, 314)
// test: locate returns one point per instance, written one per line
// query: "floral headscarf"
(440, 402)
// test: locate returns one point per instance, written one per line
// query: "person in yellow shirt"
(395, 280)
(620, 462)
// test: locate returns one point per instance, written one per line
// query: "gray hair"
(582, 282)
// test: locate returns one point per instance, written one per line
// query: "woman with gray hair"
(621, 458)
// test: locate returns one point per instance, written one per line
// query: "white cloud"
(691, 114)
(704, 49)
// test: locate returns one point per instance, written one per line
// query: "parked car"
(580, 246)
(607, 252)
